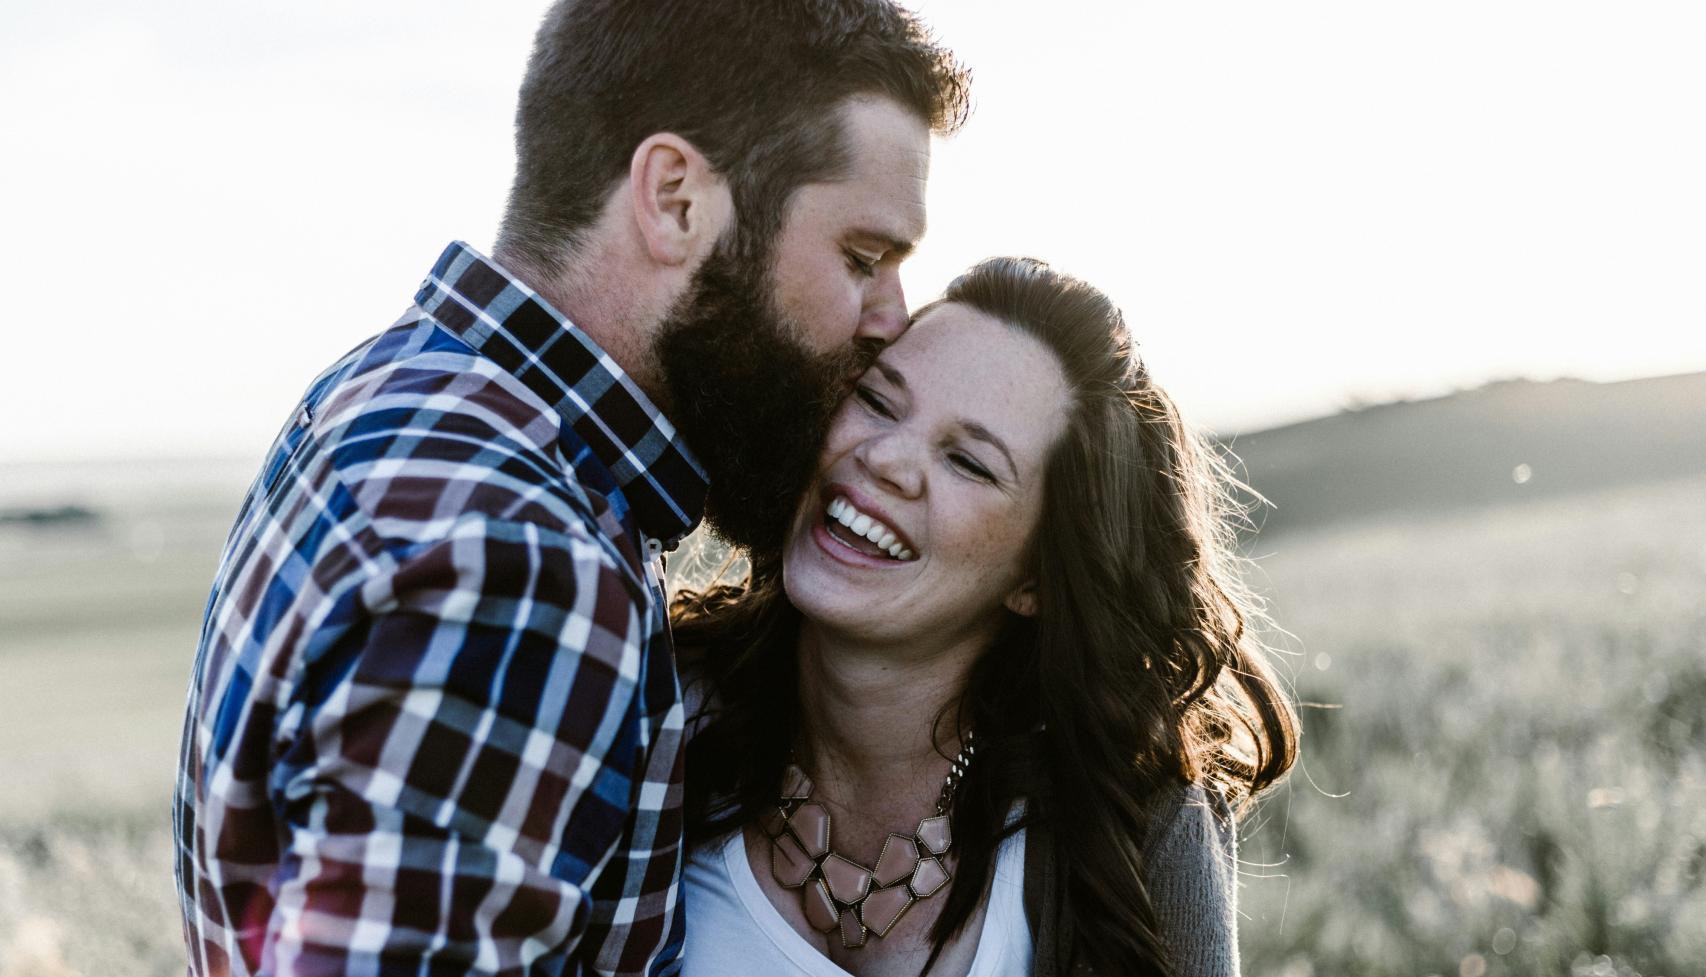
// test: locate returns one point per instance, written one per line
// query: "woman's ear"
(1023, 599)
(680, 204)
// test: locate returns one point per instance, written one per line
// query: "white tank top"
(734, 931)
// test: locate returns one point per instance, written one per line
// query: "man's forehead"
(862, 213)
(883, 192)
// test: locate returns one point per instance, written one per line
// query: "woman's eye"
(969, 465)
(876, 404)
(861, 265)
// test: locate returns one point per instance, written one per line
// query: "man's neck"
(604, 307)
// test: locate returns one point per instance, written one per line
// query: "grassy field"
(1505, 769)
(98, 626)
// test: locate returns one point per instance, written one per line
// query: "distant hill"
(1504, 442)
(60, 515)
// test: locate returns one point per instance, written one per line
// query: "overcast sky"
(1298, 204)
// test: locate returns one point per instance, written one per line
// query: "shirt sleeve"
(465, 762)
(1192, 875)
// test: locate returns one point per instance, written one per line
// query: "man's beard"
(752, 401)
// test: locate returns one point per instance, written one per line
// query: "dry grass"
(1507, 771)
(97, 630)
(1513, 780)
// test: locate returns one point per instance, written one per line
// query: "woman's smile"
(851, 522)
(864, 532)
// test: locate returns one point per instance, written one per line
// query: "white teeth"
(842, 511)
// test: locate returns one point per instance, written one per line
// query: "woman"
(988, 710)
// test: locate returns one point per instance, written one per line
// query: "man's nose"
(884, 316)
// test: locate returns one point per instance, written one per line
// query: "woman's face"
(938, 455)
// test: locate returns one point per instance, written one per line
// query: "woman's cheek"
(843, 432)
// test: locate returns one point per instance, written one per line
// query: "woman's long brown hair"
(1138, 673)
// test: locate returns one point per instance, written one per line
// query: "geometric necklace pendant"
(840, 893)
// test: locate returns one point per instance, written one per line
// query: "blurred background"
(1433, 272)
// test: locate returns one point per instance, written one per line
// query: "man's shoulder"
(419, 377)
(423, 431)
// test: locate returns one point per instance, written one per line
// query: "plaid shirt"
(435, 726)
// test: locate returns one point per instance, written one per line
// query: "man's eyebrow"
(893, 247)
(975, 430)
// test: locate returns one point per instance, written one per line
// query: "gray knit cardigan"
(1190, 871)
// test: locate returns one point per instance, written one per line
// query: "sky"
(1299, 205)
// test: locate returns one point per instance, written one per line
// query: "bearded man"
(434, 725)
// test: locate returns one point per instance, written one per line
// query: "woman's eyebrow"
(889, 373)
(977, 431)
(972, 428)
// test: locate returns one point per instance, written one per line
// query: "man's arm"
(465, 765)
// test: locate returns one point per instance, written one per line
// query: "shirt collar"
(495, 313)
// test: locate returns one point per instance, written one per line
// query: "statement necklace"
(839, 892)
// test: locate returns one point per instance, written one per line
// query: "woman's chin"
(823, 590)
(811, 585)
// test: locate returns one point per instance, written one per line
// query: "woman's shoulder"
(1190, 870)
(1190, 860)
(1191, 832)
(1188, 818)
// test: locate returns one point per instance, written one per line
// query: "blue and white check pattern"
(434, 725)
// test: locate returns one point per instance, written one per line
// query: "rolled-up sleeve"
(465, 760)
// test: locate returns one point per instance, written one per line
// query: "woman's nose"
(894, 459)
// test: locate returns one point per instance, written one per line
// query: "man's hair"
(756, 85)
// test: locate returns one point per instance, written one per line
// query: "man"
(434, 726)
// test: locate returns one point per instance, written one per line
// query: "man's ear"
(680, 205)
(1023, 599)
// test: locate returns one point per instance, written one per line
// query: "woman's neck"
(870, 717)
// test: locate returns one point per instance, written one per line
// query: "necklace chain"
(956, 772)
(836, 891)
